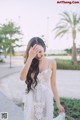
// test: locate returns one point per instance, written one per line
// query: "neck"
(42, 60)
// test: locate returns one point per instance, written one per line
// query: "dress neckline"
(45, 70)
(48, 67)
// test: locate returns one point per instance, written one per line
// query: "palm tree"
(69, 24)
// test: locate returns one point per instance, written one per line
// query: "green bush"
(67, 64)
(52, 54)
(2, 61)
(72, 108)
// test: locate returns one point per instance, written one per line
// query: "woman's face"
(40, 54)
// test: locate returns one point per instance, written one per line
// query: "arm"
(32, 53)
(25, 69)
(53, 84)
(54, 88)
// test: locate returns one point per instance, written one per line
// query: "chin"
(40, 58)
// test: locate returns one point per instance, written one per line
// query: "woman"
(39, 74)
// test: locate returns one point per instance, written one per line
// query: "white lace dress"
(38, 104)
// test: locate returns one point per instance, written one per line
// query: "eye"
(40, 51)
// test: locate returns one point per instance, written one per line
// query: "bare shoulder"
(52, 63)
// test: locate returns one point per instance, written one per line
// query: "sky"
(37, 18)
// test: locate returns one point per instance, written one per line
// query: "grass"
(72, 108)
(67, 64)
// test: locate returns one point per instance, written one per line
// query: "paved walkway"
(5, 70)
(68, 83)
(8, 103)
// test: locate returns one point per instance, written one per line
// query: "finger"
(37, 51)
(34, 46)
(30, 49)
(62, 110)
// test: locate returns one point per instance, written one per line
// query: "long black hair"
(34, 67)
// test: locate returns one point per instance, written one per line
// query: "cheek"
(42, 53)
(39, 55)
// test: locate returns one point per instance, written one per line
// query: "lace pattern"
(39, 111)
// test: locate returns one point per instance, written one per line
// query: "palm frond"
(69, 23)
(60, 27)
(66, 17)
(61, 33)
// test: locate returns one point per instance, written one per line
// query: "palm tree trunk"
(74, 54)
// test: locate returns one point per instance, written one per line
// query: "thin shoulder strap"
(49, 64)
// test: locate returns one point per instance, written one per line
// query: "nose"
(38, 55)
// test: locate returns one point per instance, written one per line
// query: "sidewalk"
(6, 105)
(5, 70)
(7, 102)
(68, 83)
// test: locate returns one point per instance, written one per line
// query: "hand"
(61, 108)
(33, 51)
